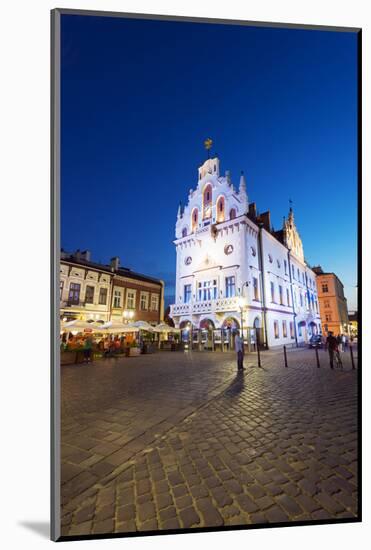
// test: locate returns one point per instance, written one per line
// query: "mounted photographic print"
(205, 207)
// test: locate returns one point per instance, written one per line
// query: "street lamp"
(241, 305)
(128, 315)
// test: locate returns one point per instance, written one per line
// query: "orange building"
(332, 303)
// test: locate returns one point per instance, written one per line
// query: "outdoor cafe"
(113, 339)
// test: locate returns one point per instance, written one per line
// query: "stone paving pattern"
(180, 440)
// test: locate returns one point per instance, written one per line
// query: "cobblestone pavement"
(180, 440)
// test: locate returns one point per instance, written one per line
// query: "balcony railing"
(207, 306)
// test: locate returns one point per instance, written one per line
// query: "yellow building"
(332, 303)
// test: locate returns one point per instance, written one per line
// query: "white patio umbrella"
(143, 325)
(78, 325)
(115, 327)
(163, 327)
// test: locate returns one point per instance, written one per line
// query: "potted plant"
(132, 349)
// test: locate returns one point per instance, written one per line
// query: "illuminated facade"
(97, 292)
(332, 303)
(233, 270)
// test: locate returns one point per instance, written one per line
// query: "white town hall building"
(234, 271)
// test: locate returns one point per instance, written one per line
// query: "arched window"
(194, 223)
(232, 213)
(184, 232)
(207, 201)
(220, 208)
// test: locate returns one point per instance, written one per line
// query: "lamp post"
(241, 304)
(128, 315)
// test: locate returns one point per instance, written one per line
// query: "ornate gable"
(292, 238)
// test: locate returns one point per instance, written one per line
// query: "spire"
(242, 183)
(242, 191)
(179, 210)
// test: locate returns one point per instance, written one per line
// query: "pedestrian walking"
(239, 347)
(332, 346)
(88, 345)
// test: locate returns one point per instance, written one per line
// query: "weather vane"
(208, 144)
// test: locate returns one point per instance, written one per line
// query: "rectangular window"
(288, 296)
(255, 287)
(301, 299)
(326, 303)
(285, 264)
(103, 296)
(292, 334)
(130, 299)
(298, 272)
(272, 291)
(299, 330)
(325, 287)
(280, 290)
(276, 329)
(328, 317)
(284, 329)
(207, 290)
(74, 293)
(214, 290)
(61, 283)
(117, 298)
(89, 295)
(144, 299)
(187, 293)
(230, 286)
(155, 301)
(293, 272)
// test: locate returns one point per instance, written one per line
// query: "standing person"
(343, 342)
(106, 346)
(338, 339)
(332, 346)
(117, 345)
(239, 347)
(88, 345)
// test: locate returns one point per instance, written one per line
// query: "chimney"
(265, 219)
(252, 210)
(77, 254)
(85, 255)
(115, 262)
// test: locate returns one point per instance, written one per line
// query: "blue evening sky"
(139, 98)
